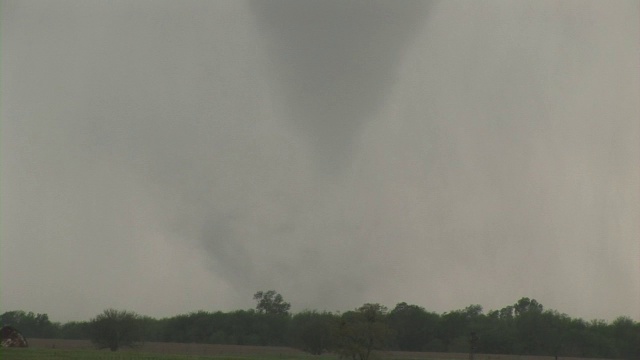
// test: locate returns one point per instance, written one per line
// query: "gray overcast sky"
(170, 156)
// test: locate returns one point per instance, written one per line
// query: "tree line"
(524, 328)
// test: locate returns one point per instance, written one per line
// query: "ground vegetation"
(522, 328)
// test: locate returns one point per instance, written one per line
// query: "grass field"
(78, 349)
(55, 349)
(62, 354)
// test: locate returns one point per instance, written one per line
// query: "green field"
(84, 349)
(57, 349)
(55, 354)
(65, 354)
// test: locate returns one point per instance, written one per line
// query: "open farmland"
(191, 349)
(82, 349)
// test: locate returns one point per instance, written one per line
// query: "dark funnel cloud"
(335, 62)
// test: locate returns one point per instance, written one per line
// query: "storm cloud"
(165, 157)
(335, 62)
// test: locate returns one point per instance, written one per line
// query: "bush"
(114, 329)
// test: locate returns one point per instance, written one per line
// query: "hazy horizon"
(165, 157)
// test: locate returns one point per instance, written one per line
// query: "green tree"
(31, 324)
(452, 331)
(77, 330)
(627, 337)
(270, 329)
(455, 327)
(152, 329)
(114, 329)
(313, 332)
(506, 312)
(363, 330)
(526, 305)
(270, 302)
(413, 326)
(499, 334)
